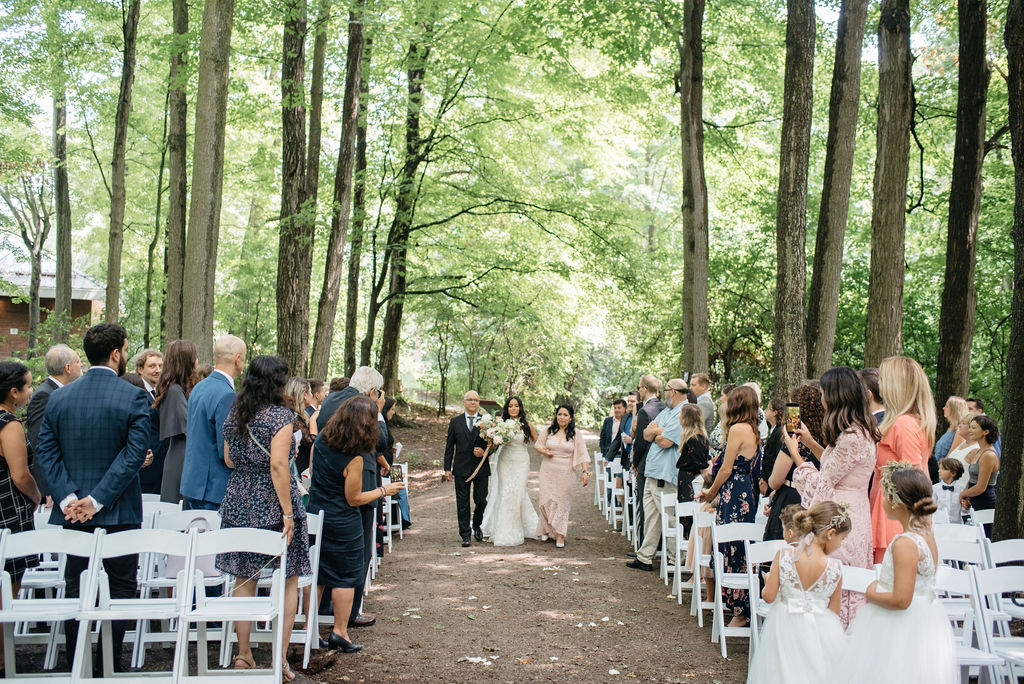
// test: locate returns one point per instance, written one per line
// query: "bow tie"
(948, 488)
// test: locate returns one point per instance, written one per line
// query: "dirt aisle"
(532, 613)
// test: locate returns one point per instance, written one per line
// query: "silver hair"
(59, 356)
(366, 379)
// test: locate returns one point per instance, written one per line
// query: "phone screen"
(792, 418)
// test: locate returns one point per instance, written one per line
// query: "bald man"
(204, 476)
(462, 454)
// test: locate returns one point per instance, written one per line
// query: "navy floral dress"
(251, 500)
(737, 503)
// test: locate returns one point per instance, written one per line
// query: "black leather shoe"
(465, 542)
(361, 621)
(479, 534)
(640, 565)
(631, 554)
(337, 643)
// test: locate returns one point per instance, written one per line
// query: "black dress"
(16, 509)
(343, 557)
(785, 495)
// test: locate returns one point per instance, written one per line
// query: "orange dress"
(903, 442)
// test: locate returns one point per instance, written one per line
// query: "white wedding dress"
(510, 516)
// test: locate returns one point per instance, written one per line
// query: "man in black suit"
(612, 428)
(651, 406)
(63, 366)
(92, 443)
(462, 453)
(149, 364)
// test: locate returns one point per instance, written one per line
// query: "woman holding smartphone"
(780, 479)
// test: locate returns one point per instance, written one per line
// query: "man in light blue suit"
(204, 476)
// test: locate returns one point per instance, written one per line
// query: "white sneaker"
(543, 537)
(560, 544)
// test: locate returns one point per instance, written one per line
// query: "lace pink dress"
(557, 478)
(846, 469)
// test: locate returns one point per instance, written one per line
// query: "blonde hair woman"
(954, 411)
(907, 435)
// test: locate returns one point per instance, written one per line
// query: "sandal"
(247, 662)
(286, 672)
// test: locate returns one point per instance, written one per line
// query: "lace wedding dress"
(510, 516)
(801, 636)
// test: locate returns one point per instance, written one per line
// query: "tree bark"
(355, 250)
(790, 355)
(823, 302)
(177, 195)
(296, 231)
(62, 209)
(401, 227)
(884, 334)
(129, 31)
(328, 306)
(1009, 521)
(151, 252)
(316, 100)
(959, 298)
(207, 177)
(695, 190)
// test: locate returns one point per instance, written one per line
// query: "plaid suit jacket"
(93, 442)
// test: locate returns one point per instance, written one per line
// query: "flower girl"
(903, 634)
(803, 629)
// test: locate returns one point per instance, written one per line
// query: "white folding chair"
(955, 532)
(599, 486)
(628, 518)
(402, 468)
(1006, 551)
(102, 608)
(736, 532)
(960, 553)
(989, 587)
(615, 495)
(153, 508)
(231, 609)
(54, 610)
(308, 586)
(387, 513)
(669, 527)
(956, 592)
(47, 579)
(758, 554)
(150, 498)
(701, 560)
(981, 518)
(682, 561)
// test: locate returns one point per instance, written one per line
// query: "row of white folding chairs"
(187, 603)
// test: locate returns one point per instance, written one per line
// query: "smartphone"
(792, 418)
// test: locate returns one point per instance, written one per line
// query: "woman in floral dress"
(734, 485)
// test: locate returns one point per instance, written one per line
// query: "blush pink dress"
(557, 479)
(903, 442)
(846, 469)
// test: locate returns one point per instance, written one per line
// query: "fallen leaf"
(524, 661)
(471, 617)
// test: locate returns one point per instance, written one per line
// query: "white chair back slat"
(238, 539)
(953, 551)
(1006, 551)
(955, 532)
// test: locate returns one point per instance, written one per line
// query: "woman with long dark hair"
(261, 491)
(177, 379)
(849, 436)
(510, 516)
(565, 453)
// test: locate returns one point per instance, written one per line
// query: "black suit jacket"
(151, 475)
(33, 421)
(605, 441)
(458, 449)
(331, 404)
(644, 416)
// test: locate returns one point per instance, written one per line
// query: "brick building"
(16, 269)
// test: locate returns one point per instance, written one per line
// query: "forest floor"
(533, 613)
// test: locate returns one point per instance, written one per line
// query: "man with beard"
(92, 444)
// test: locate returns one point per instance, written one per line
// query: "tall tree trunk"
(295, 243)
(1010, 501)
(129, 31)
(328, 306)
(316, 101)
(823, 300)
(959, 298)
(151, 252)
(177, 195)
(62, 209)
(401, 226)
(207, 177)
(884, 335)
(695, 190)
(355, 251)
(790, 355)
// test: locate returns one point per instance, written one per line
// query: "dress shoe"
(640, 565)
(333, 641)
(362, 621)
(465, 542)
(631, 554)
(479, 534)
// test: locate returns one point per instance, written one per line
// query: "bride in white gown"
(510, 516)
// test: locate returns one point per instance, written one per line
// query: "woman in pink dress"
(847, 463)
(565, 452)
(908, 434)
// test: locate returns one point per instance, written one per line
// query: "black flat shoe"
(479, 534)
(337, 643)
(640, 565)
(465, 542)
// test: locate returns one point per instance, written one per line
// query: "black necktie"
(948, 488)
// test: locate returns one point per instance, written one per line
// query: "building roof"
(16, 269)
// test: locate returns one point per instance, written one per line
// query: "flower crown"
(840, 518)
(887, 484)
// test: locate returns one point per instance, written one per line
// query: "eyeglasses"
(675, 389)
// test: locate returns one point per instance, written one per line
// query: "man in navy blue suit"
(92, 444)
(204, 476)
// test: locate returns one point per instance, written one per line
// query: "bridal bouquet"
(500, 432)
